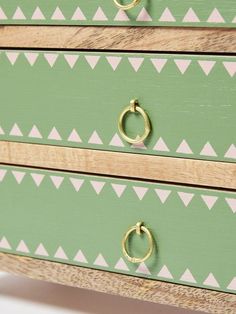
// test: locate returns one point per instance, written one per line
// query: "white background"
(25, 296)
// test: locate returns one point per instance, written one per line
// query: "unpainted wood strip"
(186, 171)
(120, 38)
(123, 285)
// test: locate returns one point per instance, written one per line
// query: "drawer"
(81, 220)
(184, 13)
(76, 99)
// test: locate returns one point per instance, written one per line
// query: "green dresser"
(75, 99)
(184, 13)
(81, 220)
(118, 147)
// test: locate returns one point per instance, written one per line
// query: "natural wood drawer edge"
(127, 286)
(120, 38)
(178, 170)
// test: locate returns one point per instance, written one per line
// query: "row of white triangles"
(165, 273)
(119, 189)
(116, 141)
(143, 16)
(114, 61)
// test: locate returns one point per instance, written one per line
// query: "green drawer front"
(78, 219)
(201, 13)
(74, 99)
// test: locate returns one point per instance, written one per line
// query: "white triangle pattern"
(92, 61)
(182, 64)
(54, 135)
(215, 17)
(232, 203)
(114, 62)
(58, 15)
(143, 16)
(188, 277)
(100, 15)
(22, 247)
(41, 251)
(209, 200)
(51, 58)
(167, 16)
(140, 191)
(12, 57)
(95, 139)
(18, 15)
(2, 15)
(121, 265)
(38, 15)
(60, 254)
(37, 178)
(57, 181)
(34, 133)
(4, 244)
(77, 183)
(74, 137)
(80, 257)
(116, 141)
(208, 150)
(100, 261)
(121, 16)
(230, 67)
(184, 148)
(163, 194)
(119, 189)
(165, 273)
(231, 152)
(78, 15)
(207, 66)
(98, 186)
(31, 57)
(211, 281)
(1, 131)
(15, 131)
(71, 60)
(136, 63)
(143, 269)
(19, 176)
(191, 17)
(159, 64)
(186, 198)
(161, 146)
(3, 173)
(232, 285)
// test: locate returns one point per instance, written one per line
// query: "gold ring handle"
(134, 108)
(138, 228)
(126, 6)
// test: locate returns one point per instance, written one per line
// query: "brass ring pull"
(138, 228)
(126, 6)
(134, 108)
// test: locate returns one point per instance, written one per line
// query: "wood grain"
(120, 38)
(127, 286)
(186, 171)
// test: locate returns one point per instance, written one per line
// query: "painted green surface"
(205, 12)
(189, 236)
(196, 108)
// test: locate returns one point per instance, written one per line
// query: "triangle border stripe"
(136, 62)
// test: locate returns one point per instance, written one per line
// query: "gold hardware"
(134, 108)
(138, 228)
(126, 6)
